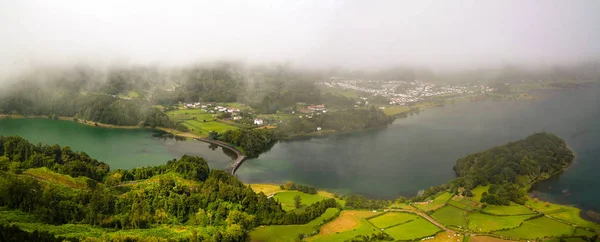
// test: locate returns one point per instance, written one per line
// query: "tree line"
(302, 188)
(182, 192)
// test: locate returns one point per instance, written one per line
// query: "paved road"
(240, 156)
(424, 215)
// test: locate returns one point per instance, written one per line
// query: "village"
(403, 93)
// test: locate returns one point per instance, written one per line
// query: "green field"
(544, 207)
(513, 209)
(199, 122)
(416, 229)
(189, 114)
(538, 228)
(394, 110)
(438, 202)
(393, 218)
(464, 203)
(478, 191)
(287, 199)
(449, 215)
(203, 128)
(290, 232)
(565, 213)
(480, 222)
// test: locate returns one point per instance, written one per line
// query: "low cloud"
(316, 34)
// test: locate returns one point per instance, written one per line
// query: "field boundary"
(396, 224)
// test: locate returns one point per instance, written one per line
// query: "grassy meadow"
(478, 191)
(267, 189)
(539, 228)
(480, 222)
(451, 216)
(287, 199)
(415, 229)
(199, 122)
(395, 110)
(438, 202)
(290, 232)
(513, 209)
(391, 219)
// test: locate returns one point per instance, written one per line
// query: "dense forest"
(182, 192)
(514, 166)
(251, 141)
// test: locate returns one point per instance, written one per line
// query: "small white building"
(258, 121)
(318, 128)
(237, 117)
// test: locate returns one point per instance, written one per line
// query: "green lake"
(120, 148)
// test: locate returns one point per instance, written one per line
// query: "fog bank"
(316, 34)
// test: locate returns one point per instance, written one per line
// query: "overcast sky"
(319, 33)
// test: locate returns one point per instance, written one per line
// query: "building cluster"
(317, 108)
(403, 92)
(212, 108)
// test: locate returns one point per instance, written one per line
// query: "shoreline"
(81, 121)
(241, 157)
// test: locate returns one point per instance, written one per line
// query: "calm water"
(409, 155)
(120, 148)
(419, 151)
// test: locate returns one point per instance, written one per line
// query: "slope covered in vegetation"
(183, 192)
(511, 167)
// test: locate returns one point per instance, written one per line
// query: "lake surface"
(120, 148)
(401, 159)
(420, 151)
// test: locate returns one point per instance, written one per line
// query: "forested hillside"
(182, 192)
(513, 166)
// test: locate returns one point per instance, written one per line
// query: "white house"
(258, 121)
(318, 128)
(237, 117)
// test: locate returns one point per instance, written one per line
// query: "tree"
(213, 135)
(400, 199)
(467, 193)
(289, 186)
(297, 201)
